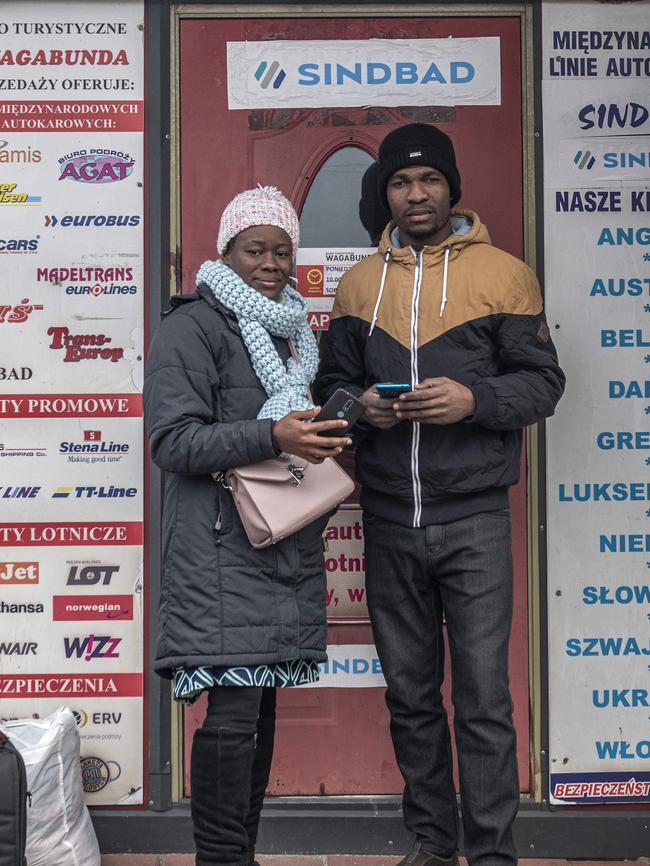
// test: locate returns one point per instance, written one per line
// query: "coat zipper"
(415, 378)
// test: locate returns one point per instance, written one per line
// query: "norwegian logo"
(270, 75)
(584, 159)
(97, 165)
(94, 608)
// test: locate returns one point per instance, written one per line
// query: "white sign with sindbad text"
(358, 72)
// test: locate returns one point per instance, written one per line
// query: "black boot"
(261, 768)
(221, 767)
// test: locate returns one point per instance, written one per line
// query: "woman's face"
(261, 256)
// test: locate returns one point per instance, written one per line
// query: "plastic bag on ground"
(59, 829)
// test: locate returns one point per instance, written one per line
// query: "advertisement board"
(71, 370)
(597, 266)
(337, 73)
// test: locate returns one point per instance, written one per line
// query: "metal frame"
(369, 825)
(158, 13)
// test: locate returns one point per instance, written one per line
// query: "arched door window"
(330, 217)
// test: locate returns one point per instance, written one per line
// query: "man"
(440, 309)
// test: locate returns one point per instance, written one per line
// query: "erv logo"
(270, 73)
(95, 646)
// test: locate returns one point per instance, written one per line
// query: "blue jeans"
(464, 570)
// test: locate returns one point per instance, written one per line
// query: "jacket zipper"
(415, 378)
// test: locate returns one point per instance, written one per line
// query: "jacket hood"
(462, 237)
(467, 229)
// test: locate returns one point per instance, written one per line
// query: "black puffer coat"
(222, 601)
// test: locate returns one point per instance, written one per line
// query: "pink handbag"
(277, 497)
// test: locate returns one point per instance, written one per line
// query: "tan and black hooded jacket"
(464, 310)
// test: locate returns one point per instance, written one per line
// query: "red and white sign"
(69, 534)
(93, 608)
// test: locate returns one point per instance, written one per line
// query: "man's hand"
(380, 413)
(436, 401)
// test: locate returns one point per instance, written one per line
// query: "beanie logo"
(415, 153)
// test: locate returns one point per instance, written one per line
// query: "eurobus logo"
(267, 74)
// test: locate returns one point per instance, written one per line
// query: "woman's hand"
(292, 435)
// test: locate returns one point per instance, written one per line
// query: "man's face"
(418, 197)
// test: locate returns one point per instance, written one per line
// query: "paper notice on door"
(319, 270)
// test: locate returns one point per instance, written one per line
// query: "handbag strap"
(296, 357)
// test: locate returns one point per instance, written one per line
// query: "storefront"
(172, 110)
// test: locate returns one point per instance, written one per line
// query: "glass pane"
(330, 216)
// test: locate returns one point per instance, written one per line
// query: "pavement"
(327, 860)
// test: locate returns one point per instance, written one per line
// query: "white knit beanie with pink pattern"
(264, 206)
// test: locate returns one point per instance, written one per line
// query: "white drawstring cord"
(375, 313)
(443, 302)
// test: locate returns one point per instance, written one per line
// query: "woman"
(221, 391)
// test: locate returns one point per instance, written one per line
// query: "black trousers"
(413, 575)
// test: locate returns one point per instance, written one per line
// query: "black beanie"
(418, 144)
(374, 215)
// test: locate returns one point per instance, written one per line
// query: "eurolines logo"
(584, 159)
(97, 165)
(267, 74)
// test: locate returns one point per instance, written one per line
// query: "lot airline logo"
(96, 165)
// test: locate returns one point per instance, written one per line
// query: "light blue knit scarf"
(258, 318)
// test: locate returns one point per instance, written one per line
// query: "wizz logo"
(266, 74)
(584, 159)
(92, 647)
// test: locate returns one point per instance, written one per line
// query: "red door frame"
(202, 201)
